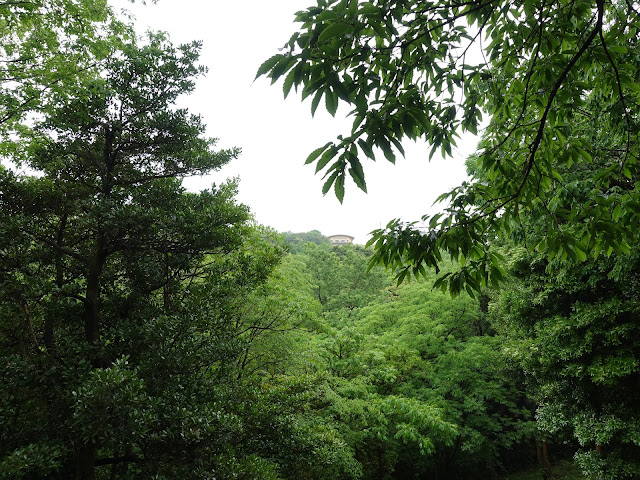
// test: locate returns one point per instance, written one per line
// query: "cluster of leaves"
(575, 333)
(341, 279)
(392, 62)
(441, 351)
(548, 75)
(420, 351)
(46, 46)
(297, 241)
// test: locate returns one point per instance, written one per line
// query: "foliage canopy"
(574, 332)
(117, 285)
(558, 80)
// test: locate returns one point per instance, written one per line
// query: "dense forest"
(151, 332)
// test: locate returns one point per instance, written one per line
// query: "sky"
(276, 135)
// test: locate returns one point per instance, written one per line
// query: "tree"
(47, 45)
(122, 323)
(105, 353)
(273, 320)
(542, 71)
(575, 333)
(296, 241)
(424, 345)
(342, 281)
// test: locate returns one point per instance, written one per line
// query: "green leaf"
(616, 212)
(366, 149)
(316, 153)
(282, 67)
(333, 30)
(398, 145)
(268, 65)
(339, 187)
(341, 91)
(384, 144)
(326, 158)
(327, 185)
(288, 83)
(357, 173)
(331, 102)
(315, 102)
(369, 9)
(625, 248)
(617, 48)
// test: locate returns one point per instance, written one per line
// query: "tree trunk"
(86, 455)
(91, 312)
(85, 463)
(545, 459)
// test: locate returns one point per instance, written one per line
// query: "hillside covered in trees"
(306, 365)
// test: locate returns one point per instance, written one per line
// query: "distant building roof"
(341, 239)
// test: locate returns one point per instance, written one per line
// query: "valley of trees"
(150, 332)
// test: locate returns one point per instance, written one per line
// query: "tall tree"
(539, 70)
(574, 331)
(97, 252)
(297, 241)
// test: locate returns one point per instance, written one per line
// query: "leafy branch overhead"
(558, 80)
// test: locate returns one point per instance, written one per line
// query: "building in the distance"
(340, 239)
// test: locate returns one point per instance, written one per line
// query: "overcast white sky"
(277, 135)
